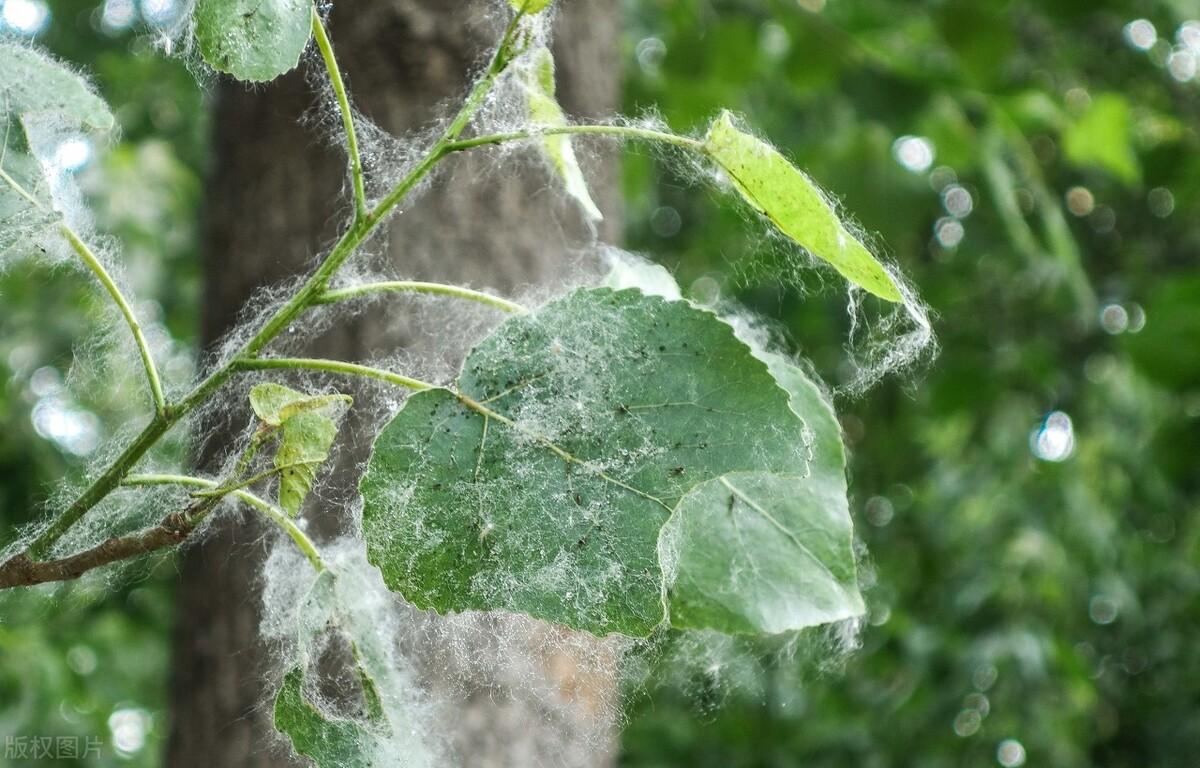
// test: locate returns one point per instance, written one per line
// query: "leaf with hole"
(543, 484)
(781, 192)
(253, 40)
(544, 112)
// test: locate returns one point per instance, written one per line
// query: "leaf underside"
(601, 412)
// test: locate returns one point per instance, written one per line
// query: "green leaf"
(1103, 137)
(544, 112)
(543, 485)
(760, 553)
(303, 448)
(530, 6)
(35, 84)
(253, 40)
(330, 742)
(781, 192)
(38, 97)
(308, 431)
(275, 403)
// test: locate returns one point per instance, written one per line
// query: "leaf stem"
(97, 268)
(139, 338)
(413, 286)
(272, 512)
(339, 91)
(621, 131)
(332, 366)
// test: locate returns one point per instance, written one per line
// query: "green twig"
(273, 513)
(97, 268)
(620, 131)
(339, 91)
(412, 286)
(332, 366)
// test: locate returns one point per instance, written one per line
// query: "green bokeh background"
(1013, 600)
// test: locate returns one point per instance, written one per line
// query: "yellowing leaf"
(782, 193)
(544, 112)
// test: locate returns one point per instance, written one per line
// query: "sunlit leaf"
(530, 6)
(781, 192)
(253, 40)
(544, 112)
(545, 485)
(1103, 137)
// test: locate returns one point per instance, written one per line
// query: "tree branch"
(21, 571)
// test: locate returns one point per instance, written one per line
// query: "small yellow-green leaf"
(782, 193)
(268, 399)
(275, 403)
(530, 6)
(544, 112)
(303, 447)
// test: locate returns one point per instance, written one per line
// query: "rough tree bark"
(273, 203)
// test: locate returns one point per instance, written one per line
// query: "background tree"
(403, 61)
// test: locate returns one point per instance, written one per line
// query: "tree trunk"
(276, 200)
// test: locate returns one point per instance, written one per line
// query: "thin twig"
(414, 286)
(339, 91)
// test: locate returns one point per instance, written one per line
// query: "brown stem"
(21, 571)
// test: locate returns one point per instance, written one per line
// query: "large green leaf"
(37, 94)
(253, 40)
(543, 484)
(544, 112)
(35, 84)
(780, 191)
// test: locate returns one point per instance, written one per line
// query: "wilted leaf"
(780, 191)
(544, 486)
(253, 40)
(544, 112)
(303, 447)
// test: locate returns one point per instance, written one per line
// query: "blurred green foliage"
(1029, 502)
(1016, 600)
